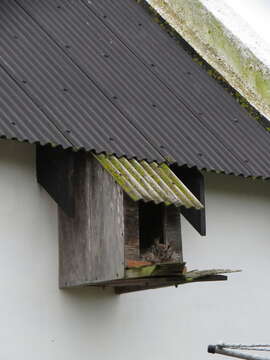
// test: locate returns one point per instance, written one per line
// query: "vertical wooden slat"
(172, 230)
(92, 242)
(55, 170)
(131, 223)
(194, 180)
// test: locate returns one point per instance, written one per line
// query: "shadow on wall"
(237, 185)
(84, 296)
(88, 305)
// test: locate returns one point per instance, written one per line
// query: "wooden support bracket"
(55, 170)
(164, 275)
(164, 282)
(194, 180)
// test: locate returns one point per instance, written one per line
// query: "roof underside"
(149, 181)
(101, 75)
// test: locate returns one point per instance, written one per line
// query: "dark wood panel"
(155, 270)
(172, 231)
(161, 283)
(131, 224)
(194, 180)
(55, 173)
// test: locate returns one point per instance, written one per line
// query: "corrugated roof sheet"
(101, 75)
(149, 181)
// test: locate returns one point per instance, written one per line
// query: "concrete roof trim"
(226, 42)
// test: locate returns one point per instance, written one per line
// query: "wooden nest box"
(119, 219)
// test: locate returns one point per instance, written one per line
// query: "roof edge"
(237, 61)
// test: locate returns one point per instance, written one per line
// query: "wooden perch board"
(198, 274)
(156, 283)
(163, 275)
(171, 269)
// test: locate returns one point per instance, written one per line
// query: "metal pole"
(216, 349)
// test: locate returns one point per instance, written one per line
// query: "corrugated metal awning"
(149, 181)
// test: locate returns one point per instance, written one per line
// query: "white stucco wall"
(38, 321)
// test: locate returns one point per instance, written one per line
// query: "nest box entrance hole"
(151, 224)
(152, 233)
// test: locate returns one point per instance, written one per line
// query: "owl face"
(160, 253)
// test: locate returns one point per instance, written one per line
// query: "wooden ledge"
(155, 270)
(163, 275)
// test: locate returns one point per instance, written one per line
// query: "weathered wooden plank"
(131, 229)
(172, 231)
(182, 278)
(197, 274)
(92, 242)
(171, 269)
(194, 180)
(163, 283)
(55, 170)
(151, 282)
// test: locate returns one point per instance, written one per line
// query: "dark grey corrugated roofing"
(101, 75)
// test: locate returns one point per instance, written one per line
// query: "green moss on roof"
(148, 181)
(208, 68)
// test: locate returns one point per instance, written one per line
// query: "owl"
(160, 253)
